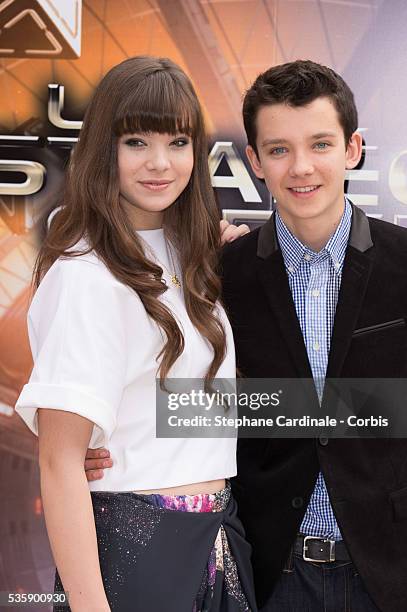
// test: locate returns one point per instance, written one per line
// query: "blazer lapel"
(355, 277)
(273, 278)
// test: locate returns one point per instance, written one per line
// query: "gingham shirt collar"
(294, 251)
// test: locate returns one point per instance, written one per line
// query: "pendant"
(175, 281)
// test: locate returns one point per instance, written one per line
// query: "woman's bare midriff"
(211, 486)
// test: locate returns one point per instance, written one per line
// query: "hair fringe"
(91, 207)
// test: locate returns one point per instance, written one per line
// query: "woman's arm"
(229, 232)
(63, 440)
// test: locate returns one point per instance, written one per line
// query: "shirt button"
(307, 257)
(290, 268)
(316, 346)
(323, 441)
(315, 293)
(337, 265)
(297, 502)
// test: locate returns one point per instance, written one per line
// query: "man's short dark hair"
(297, 84)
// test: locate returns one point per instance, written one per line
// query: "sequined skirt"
(178, 553)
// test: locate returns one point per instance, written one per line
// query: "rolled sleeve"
(77, 330)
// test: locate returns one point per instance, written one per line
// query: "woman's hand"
(229, 232)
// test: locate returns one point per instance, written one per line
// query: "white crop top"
(94, 349)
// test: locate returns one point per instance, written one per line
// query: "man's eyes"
(278, 151)
(321, 145)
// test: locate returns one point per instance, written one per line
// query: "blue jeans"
(305, 586)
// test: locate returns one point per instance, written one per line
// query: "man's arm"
(96, 461)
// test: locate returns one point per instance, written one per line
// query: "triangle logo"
(27, 29)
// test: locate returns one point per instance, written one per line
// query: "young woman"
(127, 292)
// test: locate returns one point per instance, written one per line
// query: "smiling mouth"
(308, 189)
(155, 185)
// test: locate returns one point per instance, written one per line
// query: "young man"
(320, 290)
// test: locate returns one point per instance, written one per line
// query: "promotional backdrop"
(52, 55)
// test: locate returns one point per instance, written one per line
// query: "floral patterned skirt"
(178, 553)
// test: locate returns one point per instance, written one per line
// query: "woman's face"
(154, 170)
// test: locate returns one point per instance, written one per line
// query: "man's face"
(303, 158)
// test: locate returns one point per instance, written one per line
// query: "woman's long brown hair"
(143, 94)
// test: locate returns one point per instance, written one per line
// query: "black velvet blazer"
(366, 478)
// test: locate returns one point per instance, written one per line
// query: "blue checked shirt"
(315, 280)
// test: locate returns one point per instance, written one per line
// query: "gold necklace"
(174, 278)
(173, 275)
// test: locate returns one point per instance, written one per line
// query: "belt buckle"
(331, 550)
